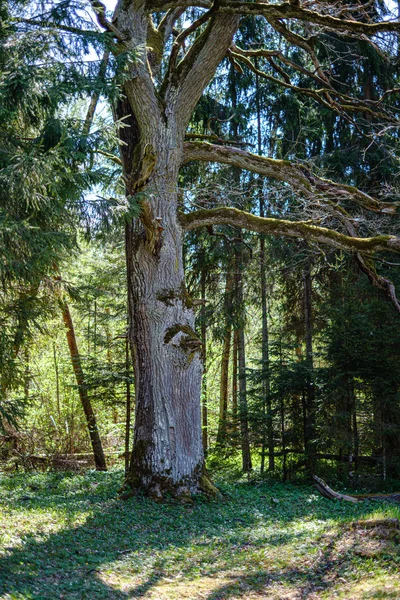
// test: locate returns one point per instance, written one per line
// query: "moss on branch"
(291, 11)
(298, 176)
(295, 229)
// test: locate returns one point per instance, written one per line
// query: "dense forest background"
(300, 342)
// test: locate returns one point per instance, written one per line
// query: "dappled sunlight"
(73, 538)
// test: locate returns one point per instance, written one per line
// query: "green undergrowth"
(69, 536)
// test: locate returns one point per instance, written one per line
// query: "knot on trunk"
(152, 226)
(170, 296)
(187, 341)
(143, 164)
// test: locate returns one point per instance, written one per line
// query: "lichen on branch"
(298, 176)
(285, 228)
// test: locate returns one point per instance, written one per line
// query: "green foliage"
(263, 539)
(44, 172)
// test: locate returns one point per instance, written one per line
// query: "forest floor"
(68, 536)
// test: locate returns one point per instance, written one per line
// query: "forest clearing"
(68, 536)
(199, 299)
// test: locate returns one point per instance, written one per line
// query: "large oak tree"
(176, 47)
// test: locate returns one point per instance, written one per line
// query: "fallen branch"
(329, 493)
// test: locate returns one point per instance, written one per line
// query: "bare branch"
(367, 266)
(299, 177)
(290, 11)
(284, 228)
(102, 20)
(324, 95)
(50, 25)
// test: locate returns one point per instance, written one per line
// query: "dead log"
(328, 492)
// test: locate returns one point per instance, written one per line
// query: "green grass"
(68, 536)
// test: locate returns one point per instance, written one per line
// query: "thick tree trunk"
(95, 440)
(167, 454)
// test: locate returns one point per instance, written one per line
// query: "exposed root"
(161, 488)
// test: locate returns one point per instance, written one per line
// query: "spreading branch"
(285, 228)
(326, 95)
(299, 177)
(290, 11)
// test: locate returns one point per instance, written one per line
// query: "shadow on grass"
(143, 542)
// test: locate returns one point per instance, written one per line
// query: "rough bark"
(167, 454)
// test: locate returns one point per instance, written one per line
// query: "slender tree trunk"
(27, 375)
(224, 381)
(109, 359)
(356, 438)
(268, 439)
(57, 380)
(235, 377)
(267, 424)
(243, 407)
(283, 425)
(309, 428)
(204, 407)
(97, 447)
